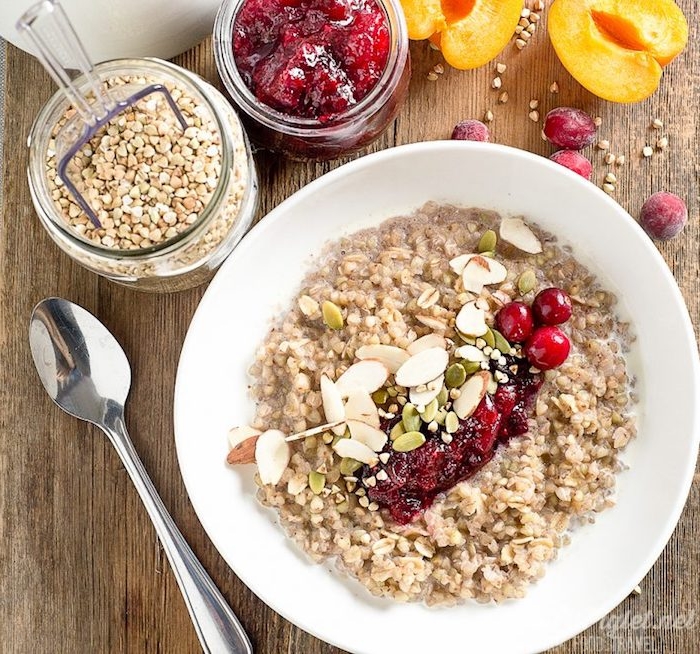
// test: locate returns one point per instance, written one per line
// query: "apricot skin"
(616, 48)
(470, 33)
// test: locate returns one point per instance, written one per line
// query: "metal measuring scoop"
(46, 27)
(85, 371)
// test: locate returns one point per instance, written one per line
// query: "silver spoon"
(86, 372)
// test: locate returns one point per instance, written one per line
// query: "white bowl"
(605, 560)
(118, 29)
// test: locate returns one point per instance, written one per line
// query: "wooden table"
(80, 567)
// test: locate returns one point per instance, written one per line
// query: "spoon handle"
(217, 627)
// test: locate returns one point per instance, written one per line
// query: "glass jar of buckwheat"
(171, 201)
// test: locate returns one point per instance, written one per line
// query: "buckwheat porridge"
(445, 399)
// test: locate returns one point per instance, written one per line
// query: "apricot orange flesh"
(470, 33)
(616, 48)
(482, 34)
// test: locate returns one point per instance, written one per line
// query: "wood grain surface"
(81, 570)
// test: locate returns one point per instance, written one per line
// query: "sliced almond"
(517, 233)
(370, 436)
(458, 264)
(422, 367)
(470, 320)
(360, 406)
(332, 404)
(471, 393)
(369, 374)
(390, 355)
(313, 431)
(481, 271)
(426, 342)
(421, 398)
(243, 451)
(272, 454)
(237, 435)
(470, 353)
(437, 324)
(352, 449)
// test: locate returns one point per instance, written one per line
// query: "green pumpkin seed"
(332, 315)
(409, 441)
(442, 396)
(440, 416)
(488, 253)
(410, 417)
(470, 367)
(526, 282)
(455, 376)
(316, 482)
(451, 422)
(501, 343)
(489, 338)
(469, 340)
(430, 411)
(487, 243)
(343, 507)
(349, 466)
(380, 396)
(397, 430)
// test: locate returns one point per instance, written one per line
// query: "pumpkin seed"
(451, 422)
(470, 367)
(349, 466)
(397, 430)
(501, 343)
(489, 338)
(469, 340)
(455, 376)
(440, 416)
(526, 282)
(410, 417)
(343, 507)
(332, 315)
(442, 396)
(490, 254)
(380, 396)
(487, 242)
(430, 411)
(316, 482)
(617, 419)
(409, 441)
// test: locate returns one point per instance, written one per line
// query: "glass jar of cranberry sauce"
(314, 79)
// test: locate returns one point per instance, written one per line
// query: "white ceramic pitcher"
(113, 29)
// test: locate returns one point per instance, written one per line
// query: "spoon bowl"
(81, 365)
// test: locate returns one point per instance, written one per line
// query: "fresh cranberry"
(414, 479)
(470, 130)
(311, 58)
(552, 306)
(569, 128)
(547, 348)
(663, 216)
(515, 322)
(573, 161)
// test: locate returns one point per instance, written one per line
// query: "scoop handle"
(46, 27)
(218, 629)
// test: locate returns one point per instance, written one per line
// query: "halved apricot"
(470, 33)
(616, 48)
